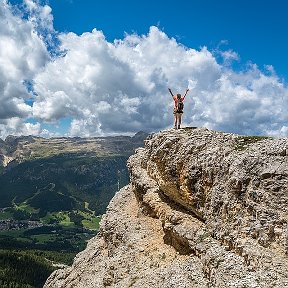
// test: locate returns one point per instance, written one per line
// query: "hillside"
(41, 177)
(52, 195)
(203, 209)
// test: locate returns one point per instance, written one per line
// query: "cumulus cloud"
(22, 54)
(120, 87)
(42, 20)
(16, 126)
(249, 103)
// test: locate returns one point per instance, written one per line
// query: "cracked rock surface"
(203, 209)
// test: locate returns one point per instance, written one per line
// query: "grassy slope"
(64, 184)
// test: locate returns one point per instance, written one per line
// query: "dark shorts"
(177, 112)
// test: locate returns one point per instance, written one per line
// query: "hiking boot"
(178, 126)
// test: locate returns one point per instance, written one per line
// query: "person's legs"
(179, 119)
(175, 120)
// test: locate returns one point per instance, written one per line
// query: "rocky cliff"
(203, 209)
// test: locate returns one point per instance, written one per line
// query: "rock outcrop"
(203, 209)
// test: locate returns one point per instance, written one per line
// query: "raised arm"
(170, 92)
(187, 90)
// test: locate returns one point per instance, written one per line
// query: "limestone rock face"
(203, 209)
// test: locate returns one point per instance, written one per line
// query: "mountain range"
(40, 175)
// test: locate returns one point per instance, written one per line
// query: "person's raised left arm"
(187, 90)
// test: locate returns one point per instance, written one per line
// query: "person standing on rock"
(178, 107)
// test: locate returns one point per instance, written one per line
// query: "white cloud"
(40, 16)
(249, 103)
(22, 54)
(16, 126)
(229, 56)
(130, 76)
(121, 87)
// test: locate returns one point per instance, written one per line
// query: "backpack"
(180, 106)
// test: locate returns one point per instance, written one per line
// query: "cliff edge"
(203, 209)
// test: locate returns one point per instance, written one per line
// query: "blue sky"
(257, 30)
(115, 58)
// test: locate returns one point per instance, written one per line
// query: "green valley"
(52, 195)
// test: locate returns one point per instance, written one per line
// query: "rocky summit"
(203, 209)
